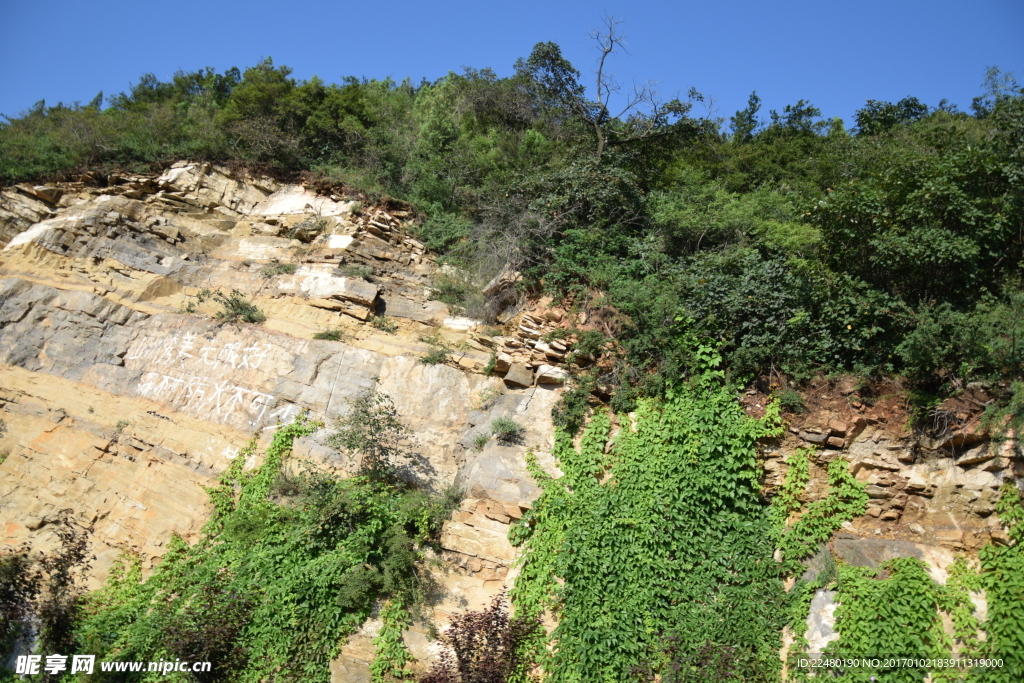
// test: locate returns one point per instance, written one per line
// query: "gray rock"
(519, 375)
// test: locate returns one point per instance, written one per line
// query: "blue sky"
(837, 55)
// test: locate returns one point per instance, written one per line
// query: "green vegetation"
(507, 430)
(333, 334)
(801, 246)
(660, 548)
(438, 351)
(705, 255)
(383, 324)
(275, 269)
(356, 271)
(292, 561)
(234, 306)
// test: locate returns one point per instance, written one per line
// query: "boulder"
(551, 374)
(519, 375)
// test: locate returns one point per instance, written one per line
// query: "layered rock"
(124, 396)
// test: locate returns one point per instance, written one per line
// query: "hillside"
(313, 370)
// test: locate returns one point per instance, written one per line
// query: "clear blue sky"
(837, 55)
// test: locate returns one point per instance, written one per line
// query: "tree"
(643, 116)
(374, 430)
(878, 117)
(744, 122)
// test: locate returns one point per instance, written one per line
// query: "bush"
(438, 351)
(276, 269)
(335, 334)
(357, 271)
(383, 324)
(234, 307)
(790, 400)
(488, 646)
(480, 440)
(443, 231)
(507, 430)
(373, 430)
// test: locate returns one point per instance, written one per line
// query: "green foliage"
(443, 232)
(845, 500)
(383, 324)
(356, 271)
(390, 653)
(275, 269)
(233, 306)
(507, 430)
(373, 431)
(798, 245)
(272, 589)
(889, 612)
(790, 399)
(335, 334)
(947, 346)
(789, 498)
(480, 441)
(1002, 577)
(1006, 413)
(438, 351)
(41, 593)
(664, 535)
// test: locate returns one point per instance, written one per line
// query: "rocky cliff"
(124, 395)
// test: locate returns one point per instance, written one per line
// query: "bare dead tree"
(643, 114)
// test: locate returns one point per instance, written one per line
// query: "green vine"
(846, 499)
(660, 548)
(290, 564)
(390, 655)
(886, 613)
(1002, 577)
(789, 498)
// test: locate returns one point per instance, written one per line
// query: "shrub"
(487, 646)
(790, 400)
(374, 430)
(356, 270)
(383, 324)
(234, 306)
(451, 291)
(442, 232)
(276, 269)
(335, 334)
(438, 351)
(507, 430)
(480, 440)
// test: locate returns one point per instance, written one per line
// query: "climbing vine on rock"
(661, 549)
(886, 613)
(288, 566)
(846, 499)
(1002, 577)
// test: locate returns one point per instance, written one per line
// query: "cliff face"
(123, 396)
(122, 407)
